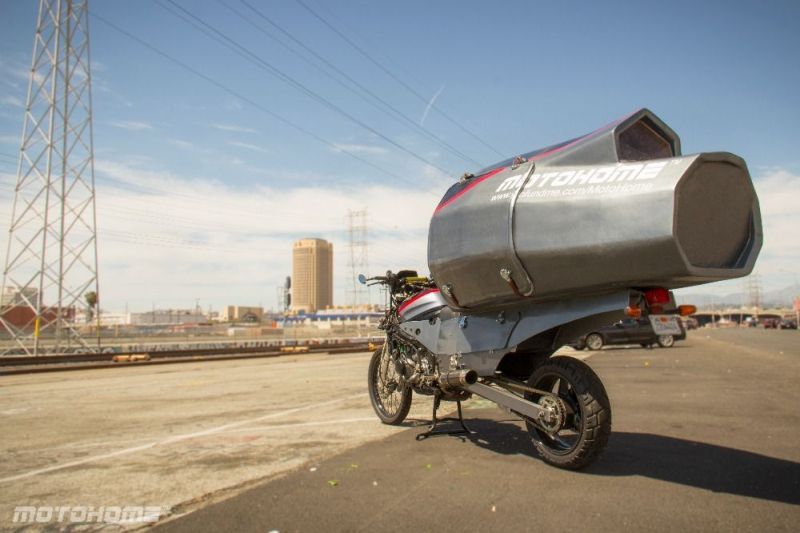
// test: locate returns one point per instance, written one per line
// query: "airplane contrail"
(430, 105)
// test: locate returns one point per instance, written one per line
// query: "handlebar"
(391, 279)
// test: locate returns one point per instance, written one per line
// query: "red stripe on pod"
(468, 187)
(533, 158)
(414, 299)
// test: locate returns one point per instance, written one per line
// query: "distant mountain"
(775, 298)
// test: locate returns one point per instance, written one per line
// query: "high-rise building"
(312, 275)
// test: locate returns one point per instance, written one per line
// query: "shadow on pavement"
(696, 464)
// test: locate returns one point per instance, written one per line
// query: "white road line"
(310, 424)
(176, 438)
(100, 444)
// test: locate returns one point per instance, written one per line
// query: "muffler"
(458, 379)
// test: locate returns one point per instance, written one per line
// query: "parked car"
(788, 323)
(771, 323)
(689, 323)
(628, 331)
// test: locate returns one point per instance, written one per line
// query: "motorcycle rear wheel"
(585, 432)
(390, 401)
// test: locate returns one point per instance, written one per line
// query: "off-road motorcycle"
(531, 253)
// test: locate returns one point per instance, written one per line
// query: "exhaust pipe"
(458, 379)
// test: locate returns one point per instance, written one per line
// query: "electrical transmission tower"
(754, 290)
(358, 261)
(51, 261)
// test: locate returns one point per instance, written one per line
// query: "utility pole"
(51, 260)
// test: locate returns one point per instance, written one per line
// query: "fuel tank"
(421, 305)
(619, 207)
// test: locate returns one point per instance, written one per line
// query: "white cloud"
(15, 85)
(131, 125)
(22, 73)
(433, 173)
(101, 85)
(168, 239)
(248, 146)
(13, 101)
(233, 104)
(233, 128)
(186, 145)
(360, 148)
(779, 195)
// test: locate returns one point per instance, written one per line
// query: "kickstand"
(433, 432)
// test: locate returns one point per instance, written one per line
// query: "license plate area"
(665, 324)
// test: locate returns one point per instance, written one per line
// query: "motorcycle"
(531, 253)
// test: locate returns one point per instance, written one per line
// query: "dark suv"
(629, 331)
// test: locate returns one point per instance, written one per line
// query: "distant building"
(241, 313)
(167, 316)
(12, 296)
(312, 275)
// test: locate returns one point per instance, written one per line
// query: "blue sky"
(210, 177)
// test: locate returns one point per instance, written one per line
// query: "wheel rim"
(386, 390)
(594, 341)
(666, 340)
(568, 437)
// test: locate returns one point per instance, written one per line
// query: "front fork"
(388, 359)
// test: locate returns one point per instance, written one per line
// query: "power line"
(260, 62)
(159, 219)
(396, 78)
(220, 204)
(396, 112)
(163, 213)
(165, 240)
(250, 101)
(186, 198)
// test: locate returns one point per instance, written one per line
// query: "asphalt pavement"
(174, 437)
(705, 438)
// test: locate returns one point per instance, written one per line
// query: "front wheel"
(390, 400)
(666, 341)
(583, 435)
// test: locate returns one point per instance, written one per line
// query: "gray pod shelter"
(617, 208)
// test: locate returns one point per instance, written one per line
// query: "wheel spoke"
(586, 412)
(563, 388)
(567, 437)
